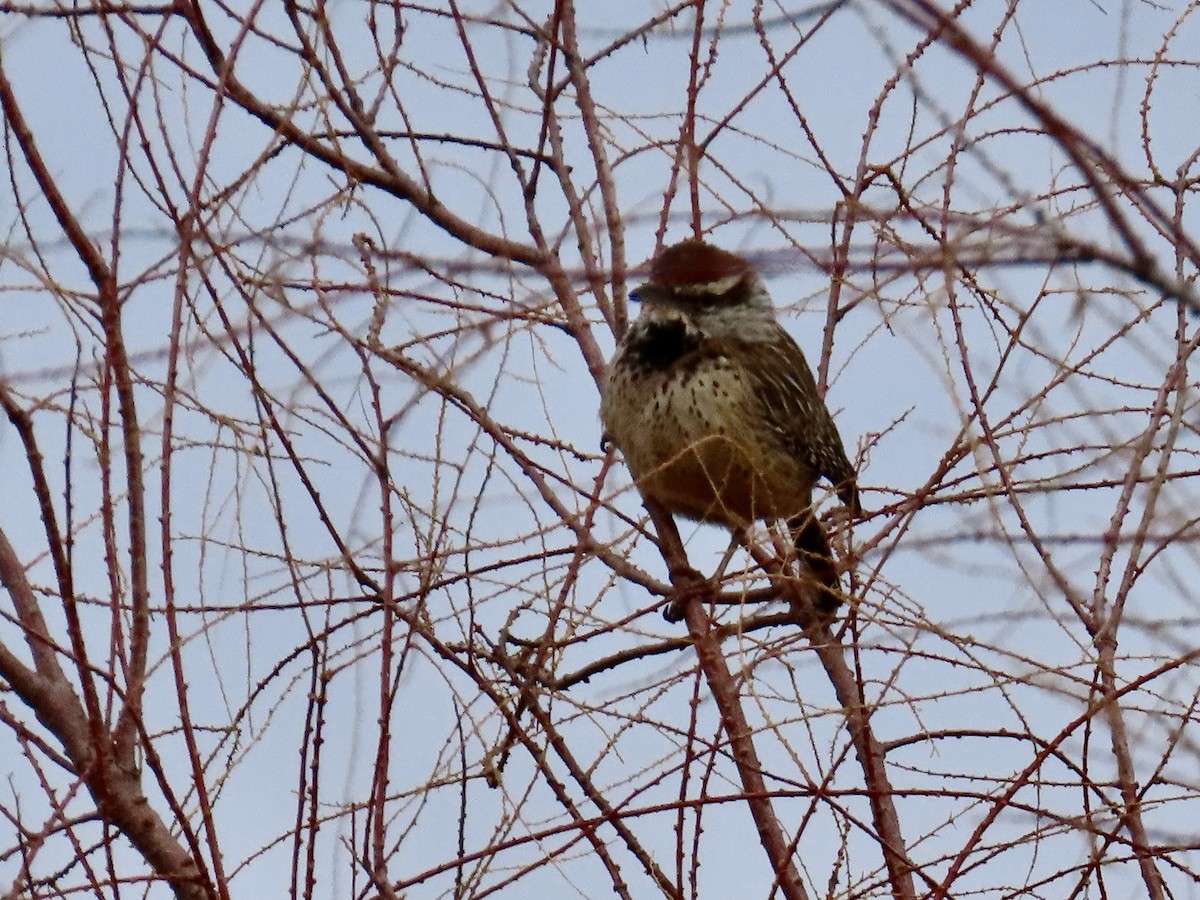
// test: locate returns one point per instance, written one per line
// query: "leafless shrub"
(319, 583)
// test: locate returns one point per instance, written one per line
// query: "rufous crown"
(693, 266)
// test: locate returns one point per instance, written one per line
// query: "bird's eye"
(635, 297)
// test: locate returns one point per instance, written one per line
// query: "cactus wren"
(716, 410)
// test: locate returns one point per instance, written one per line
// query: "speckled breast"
(682, 414)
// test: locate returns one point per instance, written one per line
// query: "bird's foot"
(688, 585)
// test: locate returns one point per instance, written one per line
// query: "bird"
(716, 411)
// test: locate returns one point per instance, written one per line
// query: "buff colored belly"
(691, 444)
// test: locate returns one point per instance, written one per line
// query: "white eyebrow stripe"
(720, 286)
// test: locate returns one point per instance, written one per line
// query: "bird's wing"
(792, 405)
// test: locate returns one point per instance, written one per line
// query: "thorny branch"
(397, 242)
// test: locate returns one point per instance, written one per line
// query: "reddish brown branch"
(729, 701)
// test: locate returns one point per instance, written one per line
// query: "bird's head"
(711, 287)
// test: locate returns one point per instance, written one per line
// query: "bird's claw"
(688, 585)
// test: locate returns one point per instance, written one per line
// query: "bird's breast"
(694, 440)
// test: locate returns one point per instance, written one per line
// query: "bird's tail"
(814, 552)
